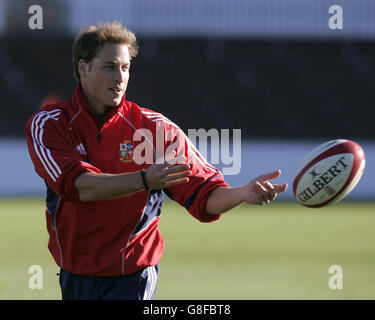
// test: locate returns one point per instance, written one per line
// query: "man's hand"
(172, 172)
(261, 191)
(257, 191)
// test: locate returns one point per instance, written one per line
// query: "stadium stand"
(275, 89)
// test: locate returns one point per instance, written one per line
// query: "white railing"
(230, 18)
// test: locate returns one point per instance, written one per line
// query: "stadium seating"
(274, 89)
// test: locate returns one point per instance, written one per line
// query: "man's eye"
(108, 67)
(125, 68)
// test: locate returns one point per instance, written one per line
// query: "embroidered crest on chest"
(126, 151)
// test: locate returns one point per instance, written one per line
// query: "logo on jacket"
(81, 149)
(126, 151)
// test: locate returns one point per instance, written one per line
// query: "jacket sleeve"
(54, 157)
(204, 178)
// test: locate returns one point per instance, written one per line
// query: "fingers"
(170, 160)
(176, 168)
(280, 187)
(265, 191)
(177, 176)
(169, 184)
(172, 164)
(264, 196)
(271, 190)
(269, 176)
(171, 180)
(173, 171)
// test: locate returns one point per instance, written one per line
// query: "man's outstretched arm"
(257, 191)
(103, 186)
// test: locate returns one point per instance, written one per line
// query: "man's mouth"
(116, 91)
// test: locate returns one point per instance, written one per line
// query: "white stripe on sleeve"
(42, 152)
(151, 283)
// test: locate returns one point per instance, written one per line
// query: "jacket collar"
(80, 101)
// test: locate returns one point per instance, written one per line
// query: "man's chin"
(113, 102)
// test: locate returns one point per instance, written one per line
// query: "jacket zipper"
(100, 127)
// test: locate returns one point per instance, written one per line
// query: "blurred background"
(275, 69)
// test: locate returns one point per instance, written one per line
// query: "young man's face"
(105, 79)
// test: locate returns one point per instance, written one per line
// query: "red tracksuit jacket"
(110, 237)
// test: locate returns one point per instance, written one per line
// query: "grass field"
(279, 251)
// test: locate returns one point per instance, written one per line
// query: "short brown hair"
(91, 39)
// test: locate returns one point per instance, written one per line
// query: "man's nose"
(119, 75)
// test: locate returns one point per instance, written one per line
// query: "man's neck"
(97, 109)
(100, 116)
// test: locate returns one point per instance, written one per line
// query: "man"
(104, 195)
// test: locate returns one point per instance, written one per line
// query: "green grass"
(279, 251)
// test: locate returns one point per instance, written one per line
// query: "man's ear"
(83, 67)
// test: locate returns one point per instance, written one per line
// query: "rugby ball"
(329, 173)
